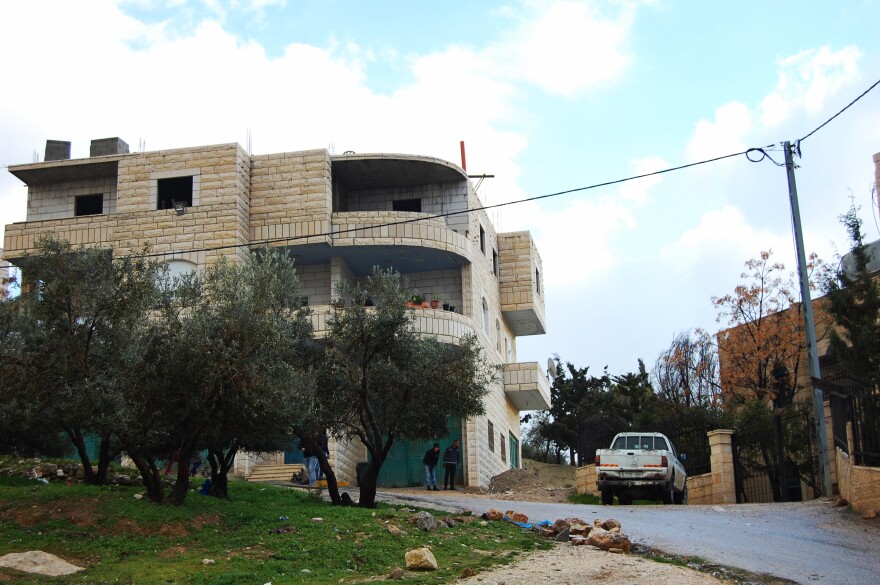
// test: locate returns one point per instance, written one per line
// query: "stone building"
(339, 215)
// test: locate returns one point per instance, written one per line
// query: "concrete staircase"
(274, 472)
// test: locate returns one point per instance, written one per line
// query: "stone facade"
(338, 216)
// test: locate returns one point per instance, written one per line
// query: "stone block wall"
(721, 458)
(57, 200)
(522, 275)
(859, 484)
(561, 475)
(291, 196)
(436, 198)
(314, 283)
(700, 490)
(586, 480)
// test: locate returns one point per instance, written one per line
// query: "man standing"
(430, 460)
(451, 459)
(310, 459)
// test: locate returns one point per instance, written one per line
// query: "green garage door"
(404, 468)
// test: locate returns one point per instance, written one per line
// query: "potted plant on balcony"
(416, 301)
(445, 306)
(435, 301)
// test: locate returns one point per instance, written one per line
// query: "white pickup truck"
(640, 466)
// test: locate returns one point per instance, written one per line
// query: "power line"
(264, 242)
(762, 151)
(823, 124)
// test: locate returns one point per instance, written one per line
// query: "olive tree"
(382, 380)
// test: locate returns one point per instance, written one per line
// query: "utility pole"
(809, 322)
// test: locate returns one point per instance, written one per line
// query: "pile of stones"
(601, 534)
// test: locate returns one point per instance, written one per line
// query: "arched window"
(485, 318)
(177, 268)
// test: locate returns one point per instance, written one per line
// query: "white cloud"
(724, 135)
(581, 240)
(567, 47)
(722, 238)
(807, 80)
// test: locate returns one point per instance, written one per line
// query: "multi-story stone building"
(339, 216)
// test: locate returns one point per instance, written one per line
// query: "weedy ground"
(262, 534)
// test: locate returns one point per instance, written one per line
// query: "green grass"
(124, 540)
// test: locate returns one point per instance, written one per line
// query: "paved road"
(809, 542)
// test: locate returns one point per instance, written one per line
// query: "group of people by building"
(451, 461)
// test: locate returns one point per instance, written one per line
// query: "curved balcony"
(419, 246)
(446, 326)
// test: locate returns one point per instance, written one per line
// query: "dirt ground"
(564, 563)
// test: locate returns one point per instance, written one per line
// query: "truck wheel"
(669, 492)
(682, 498)
(607, 498)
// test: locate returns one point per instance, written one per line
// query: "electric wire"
(267, 241)
(825, 123)
(762, 151)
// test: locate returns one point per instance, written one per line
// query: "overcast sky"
(548, 96)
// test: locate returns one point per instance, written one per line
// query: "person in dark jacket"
(451, 459)
(432, 457)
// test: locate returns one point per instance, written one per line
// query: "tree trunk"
(330, 476)
(181, 483)
(91, 478)
(368, 489)
(151, 476)
(221, 463)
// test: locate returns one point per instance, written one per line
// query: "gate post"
(723, 478)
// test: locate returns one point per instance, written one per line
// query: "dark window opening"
(494, 262)
(88, 205)
(537, 281)
(482, 240)
(503, 450)
(407, 205)
(491, 437)
(177, 189)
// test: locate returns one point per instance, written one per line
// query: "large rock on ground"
(494, 514)
(39, 562)
(426, 522)
(606, 540)
(421, 559)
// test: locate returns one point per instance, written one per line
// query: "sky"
(547, 95)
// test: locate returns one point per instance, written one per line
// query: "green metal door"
(404, 467)
(514, 452)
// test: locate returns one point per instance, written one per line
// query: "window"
(537, 281)
(407, 205)
(174, 190)
(497, 335)
(494, 262)
(88, 205)
(482, 240)
(491, 437)
(503, 448)
(485, 318)
(507, 351)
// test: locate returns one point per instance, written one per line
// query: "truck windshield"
(639, 443)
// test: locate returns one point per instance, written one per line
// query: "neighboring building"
(332, 213)
(833, 375)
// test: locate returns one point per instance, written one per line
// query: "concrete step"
(274, 472)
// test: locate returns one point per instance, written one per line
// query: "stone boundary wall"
(700, 489)
(586, 480)
(563, 475)
(860, 485)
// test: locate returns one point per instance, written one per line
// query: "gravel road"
(807, 542)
